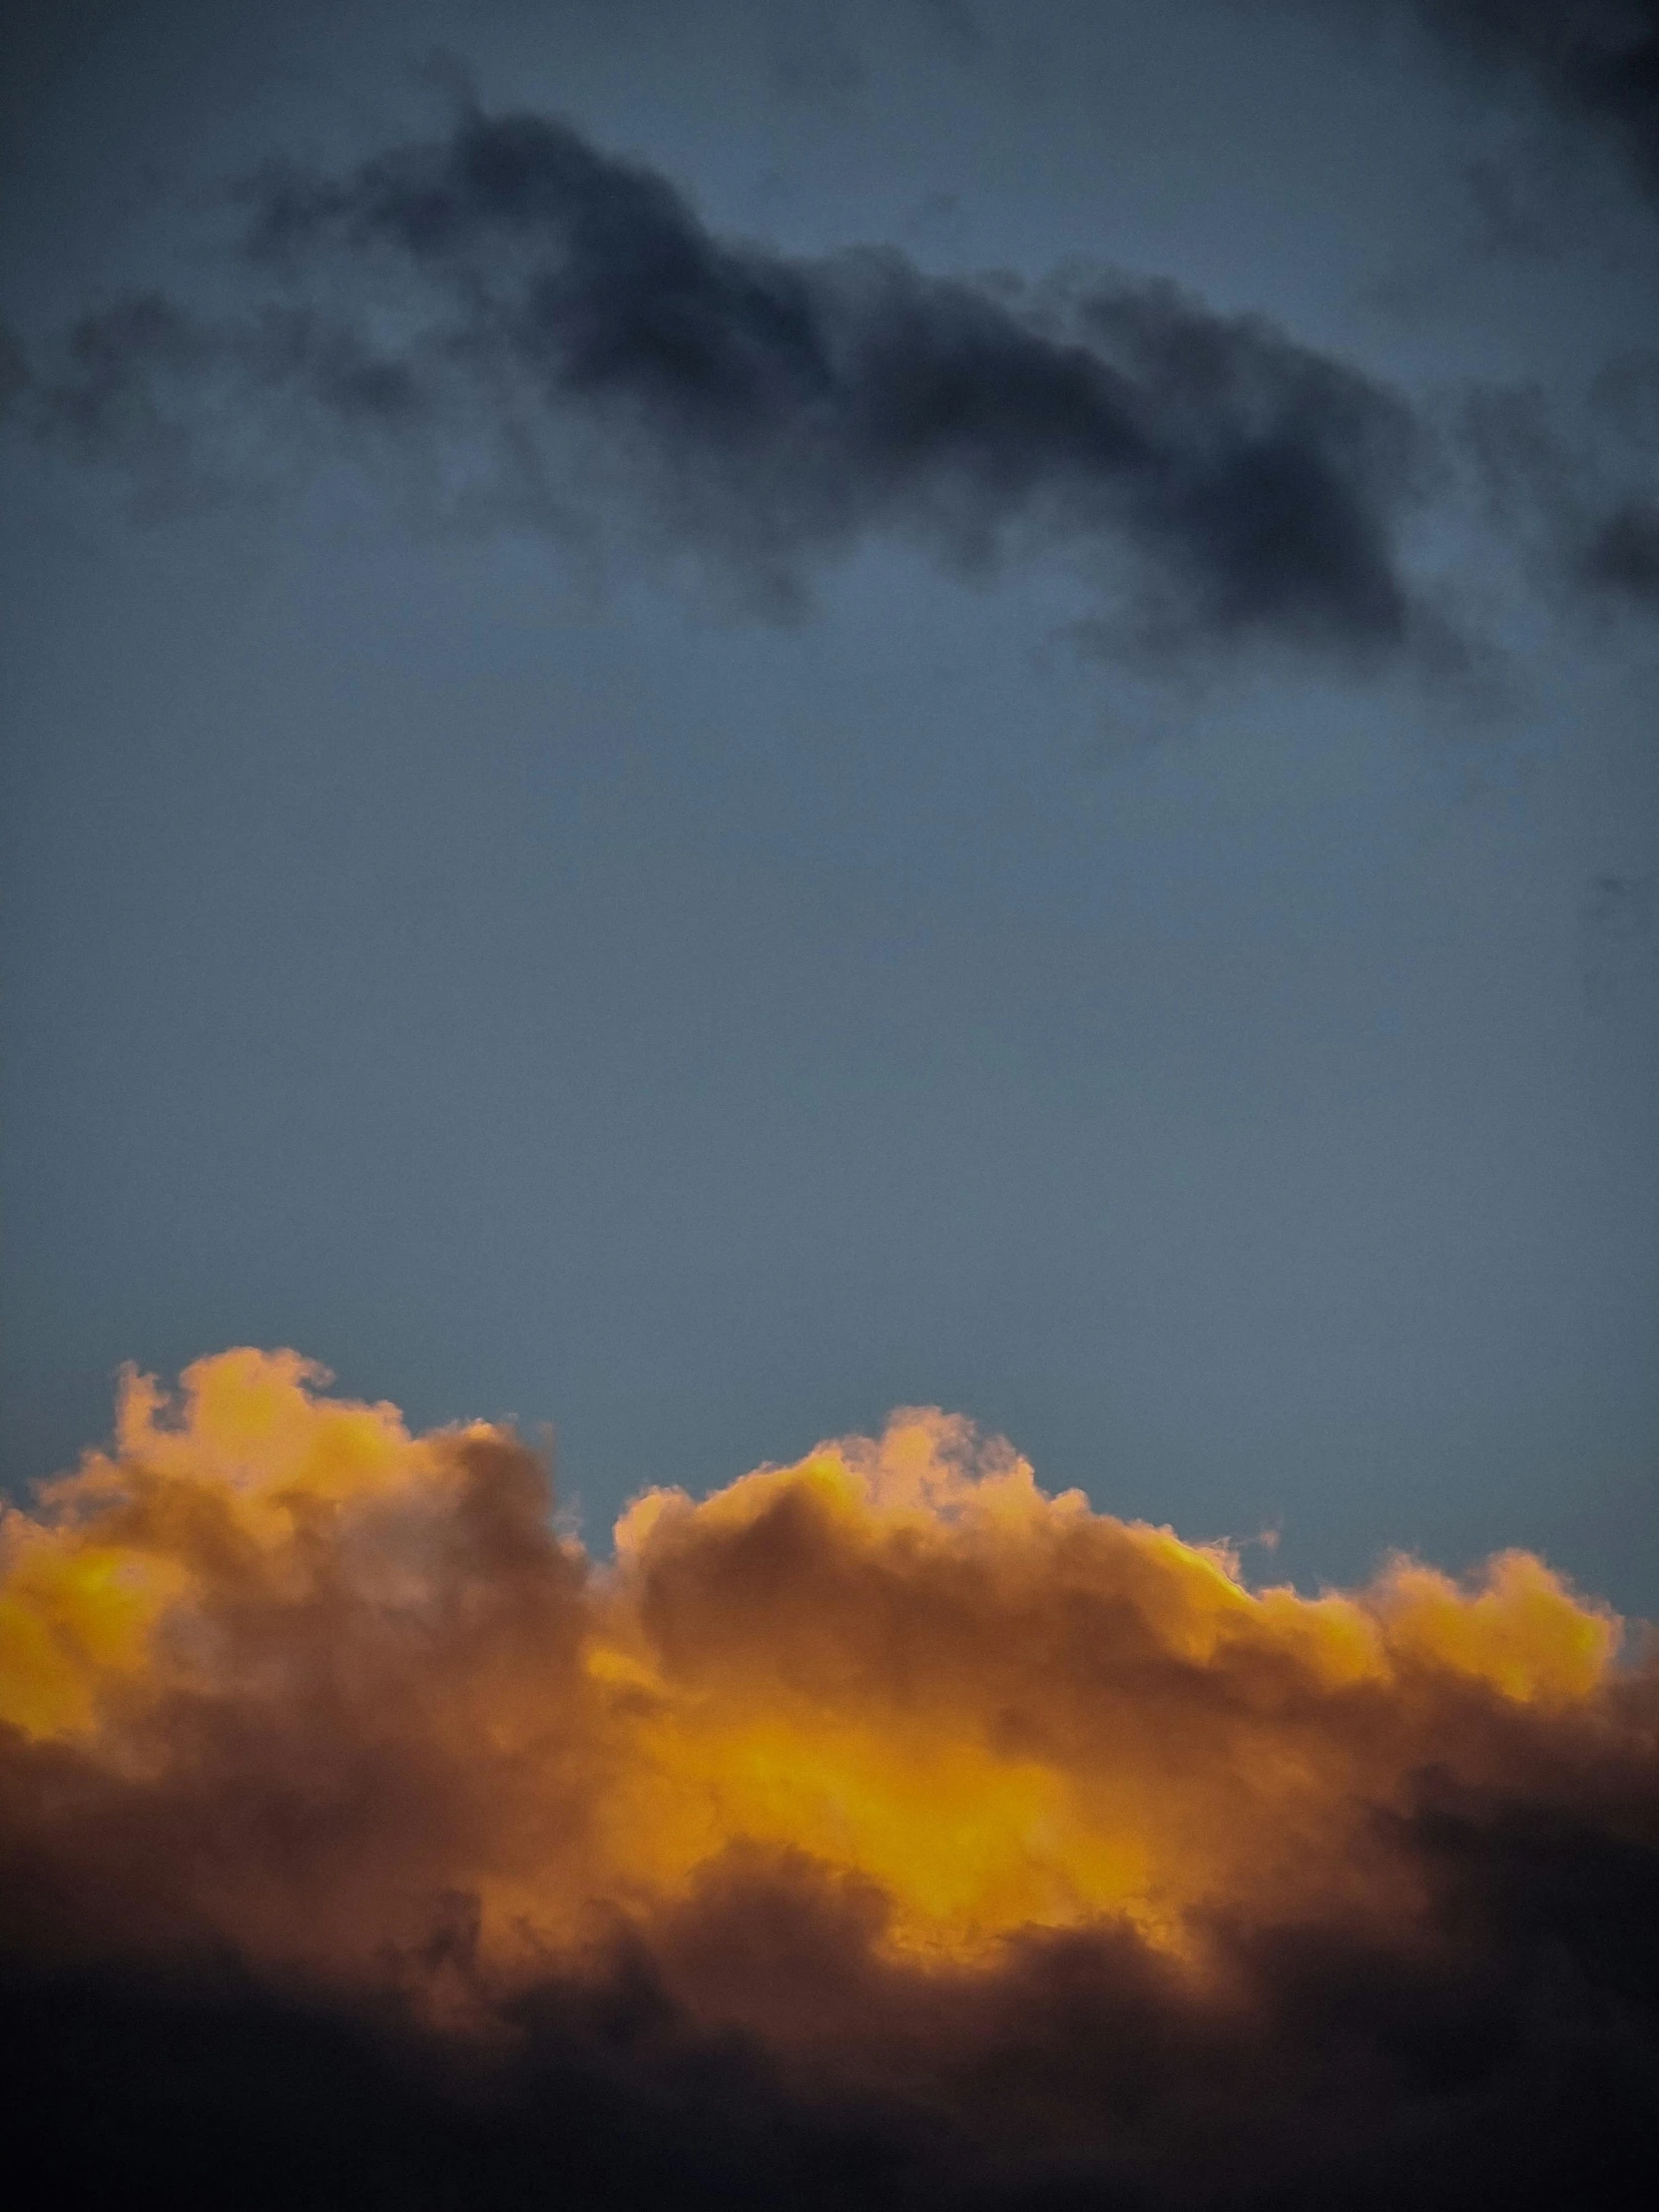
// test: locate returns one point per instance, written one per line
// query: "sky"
(1004, 762)
(829, 1086)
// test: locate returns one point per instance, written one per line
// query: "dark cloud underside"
(1512, 2059)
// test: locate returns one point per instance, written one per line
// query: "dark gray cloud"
(1507, 2054)
(1589, 538)
(1595, 61)
(1623, 553)
(509, 291)
(1578, 498)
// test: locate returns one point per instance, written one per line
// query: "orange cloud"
(901, 1660)
(858, 1755)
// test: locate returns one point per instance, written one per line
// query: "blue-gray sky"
(518, 951)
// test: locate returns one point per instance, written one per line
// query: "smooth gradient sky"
(537, 972)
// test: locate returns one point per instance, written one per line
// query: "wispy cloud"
(509, 308)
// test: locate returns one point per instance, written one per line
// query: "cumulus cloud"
(879, 1830)
(530, 321)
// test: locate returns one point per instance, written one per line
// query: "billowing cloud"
(879, 1830)
(525, 322)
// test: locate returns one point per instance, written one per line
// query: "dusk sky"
(720, 717)
(558, 916)
(545, 960)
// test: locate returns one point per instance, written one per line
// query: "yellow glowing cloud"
(349, 1671)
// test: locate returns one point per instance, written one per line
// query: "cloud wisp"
(524, 323)
(879, 1830)
(1589, 541)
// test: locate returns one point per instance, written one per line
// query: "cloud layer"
(879, 1829)
(524, 321)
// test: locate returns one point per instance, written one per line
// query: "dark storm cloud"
(1595, 61)
(508, 291)
(1505, 2052)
